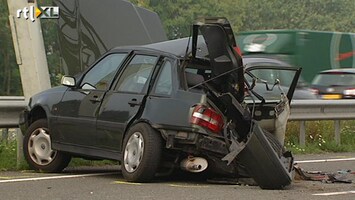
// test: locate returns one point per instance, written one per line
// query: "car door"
(271, 81)
(77, 112)
(122, 103)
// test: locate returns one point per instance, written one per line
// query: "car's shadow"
(113, 172)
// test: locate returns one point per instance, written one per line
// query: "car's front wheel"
(38, 151)
(141, 154)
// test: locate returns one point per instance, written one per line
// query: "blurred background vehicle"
(335, 84)
(285, 77)
(314, 51)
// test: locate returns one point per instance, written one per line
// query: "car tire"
(141, 153)
(38, 152)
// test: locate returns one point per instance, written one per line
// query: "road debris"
(341, 176)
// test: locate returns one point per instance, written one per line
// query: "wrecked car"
(177, 104)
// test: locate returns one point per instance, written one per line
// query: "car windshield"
(333, 79)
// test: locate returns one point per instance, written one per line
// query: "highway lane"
(107, 183)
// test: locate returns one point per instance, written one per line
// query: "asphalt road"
(107, 183)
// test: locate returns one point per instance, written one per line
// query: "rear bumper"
(263, 164)
(191, 141)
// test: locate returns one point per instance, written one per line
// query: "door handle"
(95, 98)
(134, 102)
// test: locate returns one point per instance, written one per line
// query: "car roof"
(174, 47)
(345, 70)
(178, 48)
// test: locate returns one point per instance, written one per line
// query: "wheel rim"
(133, 152)
(39, 147)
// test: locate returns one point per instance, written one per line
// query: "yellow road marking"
(127, 183)
(188, 186)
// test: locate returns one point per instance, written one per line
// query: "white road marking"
(334, 193)
(325, 160)
(329, 160)
(110, 173)
(56, 177)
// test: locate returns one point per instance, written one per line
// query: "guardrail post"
(302, 133)
(5, 135)
(337, 131)
(19, 139)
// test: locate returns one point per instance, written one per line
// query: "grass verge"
(8, 155)
(320, 137)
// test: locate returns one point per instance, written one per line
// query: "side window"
(164, 83)
(136, 74)
(100, 76)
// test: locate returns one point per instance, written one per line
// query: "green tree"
(321, 15)
(51, 45)
(10, 82)
(178, 15)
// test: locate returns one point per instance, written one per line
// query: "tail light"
(314, 91)
(208, 118)
(350, 92)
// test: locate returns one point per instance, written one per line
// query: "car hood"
(303, 93)
(49, 92)
(53, 90)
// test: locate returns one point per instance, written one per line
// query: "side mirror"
(68, 81)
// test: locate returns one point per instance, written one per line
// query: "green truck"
(314, 51)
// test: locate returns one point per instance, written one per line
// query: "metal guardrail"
(301, 110)
(10, 107)
(335, 110)
(304, 110)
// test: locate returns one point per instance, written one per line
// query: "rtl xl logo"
(43, 12)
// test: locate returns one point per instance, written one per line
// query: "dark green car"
(173, 104)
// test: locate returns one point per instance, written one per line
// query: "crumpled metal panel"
(89, 28)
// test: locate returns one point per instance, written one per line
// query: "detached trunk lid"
(224, 55)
